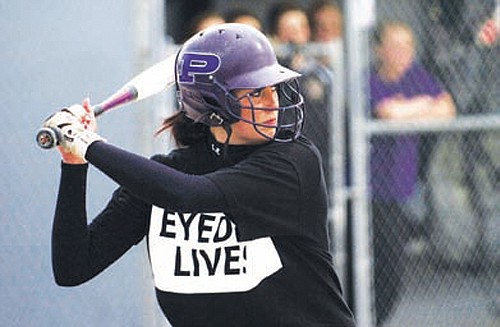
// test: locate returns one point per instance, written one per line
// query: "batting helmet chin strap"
(228, 130)
(214, 119)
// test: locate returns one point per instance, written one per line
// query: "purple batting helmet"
(226, 57)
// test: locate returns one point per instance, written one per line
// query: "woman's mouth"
(270, 122)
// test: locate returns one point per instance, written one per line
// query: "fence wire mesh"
(436, 254)
(435, 250)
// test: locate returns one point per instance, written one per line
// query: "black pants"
(390, 236)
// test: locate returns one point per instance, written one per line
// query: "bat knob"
(47, 138)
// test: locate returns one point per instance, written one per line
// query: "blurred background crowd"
(411, 159)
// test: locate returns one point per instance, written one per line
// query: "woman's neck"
(389, 74)
(219, 134)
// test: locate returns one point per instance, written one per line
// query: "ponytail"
(184, 130)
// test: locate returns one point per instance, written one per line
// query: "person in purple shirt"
(400, 90)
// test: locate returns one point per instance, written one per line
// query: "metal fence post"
(356, 63)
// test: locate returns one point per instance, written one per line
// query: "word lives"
(205, 244)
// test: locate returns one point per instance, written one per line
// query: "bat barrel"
(125, 95)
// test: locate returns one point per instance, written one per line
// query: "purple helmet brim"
(266, 76)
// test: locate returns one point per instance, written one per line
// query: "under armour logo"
(216, 149)
(193, 64)
(215, 118)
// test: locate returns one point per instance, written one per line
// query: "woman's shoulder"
(178, 157)
(300, 151)
(301, 144)
(300, 157)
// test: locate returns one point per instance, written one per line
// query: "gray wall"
(53, 54)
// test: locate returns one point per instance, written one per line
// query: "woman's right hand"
(73, 115)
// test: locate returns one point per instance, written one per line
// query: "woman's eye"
(255, 93)
(258, 93)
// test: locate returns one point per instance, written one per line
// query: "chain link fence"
(439, 244)
(438, 263)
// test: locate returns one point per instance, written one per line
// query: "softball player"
(235, 218)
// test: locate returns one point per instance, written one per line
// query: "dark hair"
(377, 33)
(319, 5)
(193, 24)
(235, 13)
(380, 29)
(278, 10)
(184, 130)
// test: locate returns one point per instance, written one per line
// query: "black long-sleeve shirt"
(235, 240)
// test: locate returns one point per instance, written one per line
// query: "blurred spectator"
(243, 16)
(288, 23)
(203, 20)
(461, 47)
(400, 90)
(326, 21)
(290, 31)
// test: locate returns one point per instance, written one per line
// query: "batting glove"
(75, 127)
(75, 113)
(75, 139)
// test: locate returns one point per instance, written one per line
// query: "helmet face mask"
(227, 57)
(290, 112)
